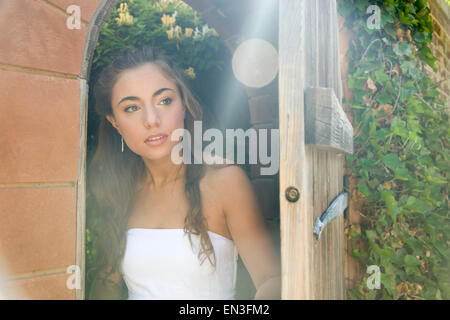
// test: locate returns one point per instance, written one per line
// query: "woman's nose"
(151, 116)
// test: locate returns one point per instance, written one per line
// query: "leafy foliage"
(173, 27)
(401, 151)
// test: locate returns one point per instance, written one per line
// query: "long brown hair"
(114, 175)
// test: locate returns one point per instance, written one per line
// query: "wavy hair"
(114, 176)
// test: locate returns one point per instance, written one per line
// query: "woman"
(169, 231)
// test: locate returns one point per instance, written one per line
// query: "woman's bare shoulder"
(215, 171)
(221, 177)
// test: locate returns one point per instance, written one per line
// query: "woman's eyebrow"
(133, 98)
(157, 92)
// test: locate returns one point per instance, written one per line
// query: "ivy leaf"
(433, 176)
(392, 161)
(345, 8)
(420, 37)
(398, 128)
(381, 76)
(410, 68)
(432, 93)
(427, 56)
(354, 83)
(391, 204)
(363, 188)
(418, 107)
(402, 174)
(403, 49)
(383, 97)
(411, 261)
(390, 30)
(417, 204)
(371, 235)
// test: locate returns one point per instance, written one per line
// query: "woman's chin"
(155, 155)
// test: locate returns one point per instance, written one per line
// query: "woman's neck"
(161, 173)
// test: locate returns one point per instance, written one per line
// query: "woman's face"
(146, 104)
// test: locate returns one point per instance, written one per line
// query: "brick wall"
(440, 46)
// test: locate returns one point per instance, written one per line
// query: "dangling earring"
(122, 143)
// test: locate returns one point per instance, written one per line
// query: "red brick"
(38, 228)
(34, 35)
(39, 122)
(436, 28)
(440, 44)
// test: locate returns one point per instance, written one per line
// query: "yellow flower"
(188, 32)
(123, 7)
(190, 72)
(129, 18)
(165, 20)
(119, 20)
(170, 33)
(124, 18)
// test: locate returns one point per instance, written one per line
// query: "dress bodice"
(161, 264)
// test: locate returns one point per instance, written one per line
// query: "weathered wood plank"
(323, 74)
(295, 219)
(81, 192)
(309, 57)
(326, 124)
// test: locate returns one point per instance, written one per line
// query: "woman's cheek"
(134, 142)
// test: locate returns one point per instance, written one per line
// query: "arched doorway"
(259, 117)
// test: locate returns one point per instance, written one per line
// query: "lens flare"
(255, 63)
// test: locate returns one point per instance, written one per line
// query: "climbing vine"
(401, 159)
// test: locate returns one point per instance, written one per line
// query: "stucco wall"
(40, 61)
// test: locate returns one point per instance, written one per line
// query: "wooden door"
(314, 136)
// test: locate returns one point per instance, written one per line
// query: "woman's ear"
(111, 119)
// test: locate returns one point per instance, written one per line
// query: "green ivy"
(401, 158)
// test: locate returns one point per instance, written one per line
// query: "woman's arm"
(269, 289)
(247, 227)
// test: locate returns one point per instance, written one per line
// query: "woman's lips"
(156, 142)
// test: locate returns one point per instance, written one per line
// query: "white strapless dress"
(161, 264)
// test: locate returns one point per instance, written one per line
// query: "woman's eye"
(166, 101)
(128, 108)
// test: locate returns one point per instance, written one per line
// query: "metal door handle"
(336, 208)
